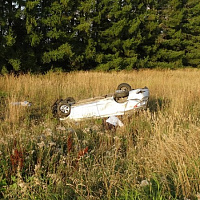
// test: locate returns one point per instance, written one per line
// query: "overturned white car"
(122, 101)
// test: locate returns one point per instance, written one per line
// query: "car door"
(109, 107)
(86, 110)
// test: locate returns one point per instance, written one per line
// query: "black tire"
(63, 109)
(121, 94)
(124, 87)
(54, 107)
(70, 100)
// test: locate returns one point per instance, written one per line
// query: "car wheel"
(122, 92)
(63, 109)
(124, 87)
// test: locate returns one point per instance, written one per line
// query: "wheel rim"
(65, 109)
(124, 88)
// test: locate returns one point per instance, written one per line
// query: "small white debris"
(144, 183)
(114, 121)
(21, 103)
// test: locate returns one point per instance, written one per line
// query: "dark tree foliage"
(42, 35)
(171, 40)
(191, 30)
(12, 33)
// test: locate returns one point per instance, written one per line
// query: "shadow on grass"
(158, 104)
(38, 113)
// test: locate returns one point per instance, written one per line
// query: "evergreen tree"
(148, 31)
(50, 25)
(130, 34)
(114, 20)
(191, 29)
(84, 42)
(12, 33)
(39, 35)
(170, 42)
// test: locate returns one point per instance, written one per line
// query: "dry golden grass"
(162, 142)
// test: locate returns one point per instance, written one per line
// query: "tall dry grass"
(160, 145)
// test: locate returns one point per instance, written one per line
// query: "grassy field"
(155, 155)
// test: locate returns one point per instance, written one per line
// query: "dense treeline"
(39, 35)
